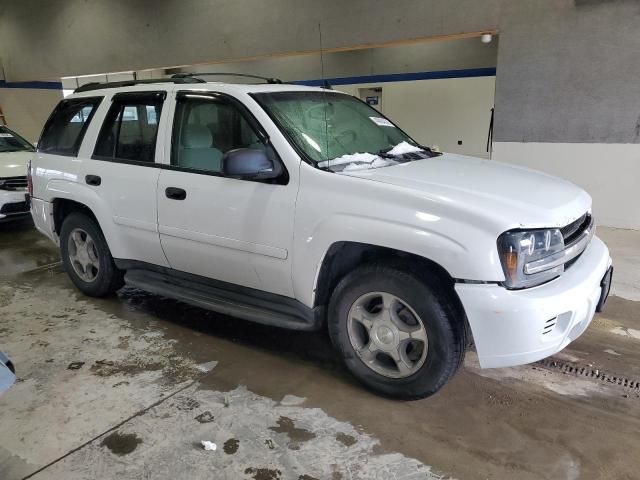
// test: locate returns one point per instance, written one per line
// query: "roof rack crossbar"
(87, 87)
(226, 74)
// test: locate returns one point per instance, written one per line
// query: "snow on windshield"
(404, 147)
(366, 161)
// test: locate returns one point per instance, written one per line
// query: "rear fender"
(80, 193)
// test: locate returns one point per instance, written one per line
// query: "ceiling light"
(486, 38)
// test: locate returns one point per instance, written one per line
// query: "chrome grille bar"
(13, 183)
(571, 251)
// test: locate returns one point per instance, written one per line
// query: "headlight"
(520, 249)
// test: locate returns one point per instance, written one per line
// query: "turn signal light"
(510, 262)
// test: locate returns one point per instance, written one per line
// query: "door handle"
(175, 193)
(94, 180)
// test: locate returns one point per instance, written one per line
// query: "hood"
(14, 164)
(513, 196)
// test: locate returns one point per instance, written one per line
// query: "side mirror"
(248, 163)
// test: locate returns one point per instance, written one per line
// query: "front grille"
(571, 262)
(572, 232)
(13, 183)
(575, 228)
(14, 208)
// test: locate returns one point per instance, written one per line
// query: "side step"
(242, 302)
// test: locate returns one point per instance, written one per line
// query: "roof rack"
(222, 74)
(87, 87)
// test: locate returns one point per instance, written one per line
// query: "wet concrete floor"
(128, 387)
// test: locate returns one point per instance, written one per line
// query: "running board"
(242, 302)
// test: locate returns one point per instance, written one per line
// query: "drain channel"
(589, 372)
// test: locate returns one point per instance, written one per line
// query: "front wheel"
(397, 334)
(86, 257)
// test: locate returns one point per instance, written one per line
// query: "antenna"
(324, 92)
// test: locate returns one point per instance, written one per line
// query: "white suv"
(305, 208)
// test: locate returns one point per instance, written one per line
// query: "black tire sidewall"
(106, 281)
(444, 345)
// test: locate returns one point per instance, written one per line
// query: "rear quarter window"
(65, 128)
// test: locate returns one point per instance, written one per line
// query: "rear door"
(236, 231)
(123, 169)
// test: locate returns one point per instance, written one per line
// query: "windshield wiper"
(426, 152)
(384, 153)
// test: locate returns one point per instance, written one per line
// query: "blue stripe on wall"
(402, 77)
(38, 85)
(392, 77)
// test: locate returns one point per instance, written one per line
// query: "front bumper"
(13, 204)
(514, 327)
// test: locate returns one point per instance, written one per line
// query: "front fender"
(310, 251)
(338, 208)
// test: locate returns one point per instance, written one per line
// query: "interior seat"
(221, 135)
(196, 150)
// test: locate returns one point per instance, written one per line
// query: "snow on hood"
(404, 147)
(365, 160)
(377, 163)
(356, 161)
(353, 158)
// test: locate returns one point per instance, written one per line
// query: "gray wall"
(567, 69)
(569, 72)
(57, 38)
(461, 54)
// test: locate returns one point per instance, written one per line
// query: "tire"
(427, 364)
(103, 278)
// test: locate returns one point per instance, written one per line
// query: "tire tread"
(444, 302)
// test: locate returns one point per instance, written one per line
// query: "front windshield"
(337, 131)
(12, 142)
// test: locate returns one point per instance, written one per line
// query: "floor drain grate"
(589, 372)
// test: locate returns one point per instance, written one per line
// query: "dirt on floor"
(152, 378)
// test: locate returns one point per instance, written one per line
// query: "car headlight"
(524, 257)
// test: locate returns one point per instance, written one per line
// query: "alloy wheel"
(83, 255)
(387, 334)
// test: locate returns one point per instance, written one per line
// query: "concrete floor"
(127, 387)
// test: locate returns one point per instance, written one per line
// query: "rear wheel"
(86, 257)
(399, 335)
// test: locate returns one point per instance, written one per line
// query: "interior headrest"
(196, 136)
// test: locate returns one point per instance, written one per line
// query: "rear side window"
(65, 129)
(130, 128)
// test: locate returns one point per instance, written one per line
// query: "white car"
(305, 208)
(15, 153)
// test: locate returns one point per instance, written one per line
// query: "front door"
(236, 231)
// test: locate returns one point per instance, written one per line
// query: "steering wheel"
(347, 133)
(317, 112)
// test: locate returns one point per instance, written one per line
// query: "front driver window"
(205, 128)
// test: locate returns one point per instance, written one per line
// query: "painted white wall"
(26, 109)
(609, 172)
(440, 112)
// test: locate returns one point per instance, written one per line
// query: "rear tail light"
(29, 180)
